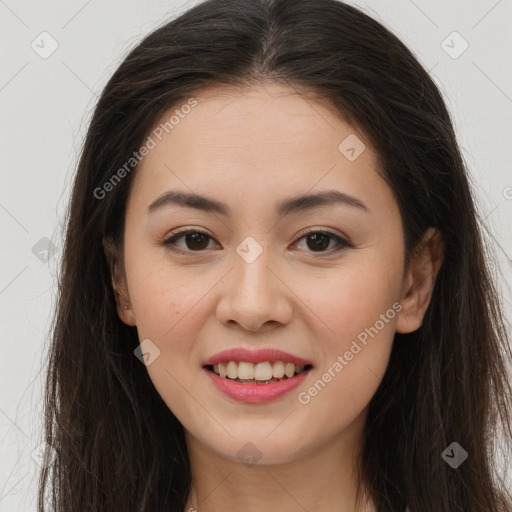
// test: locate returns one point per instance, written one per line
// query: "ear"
(419, 281)
(124, 308)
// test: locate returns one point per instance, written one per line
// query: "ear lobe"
(118, 281)
(420, 280)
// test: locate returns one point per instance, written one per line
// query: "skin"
(251, 148)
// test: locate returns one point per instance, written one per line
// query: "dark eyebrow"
(294, 204)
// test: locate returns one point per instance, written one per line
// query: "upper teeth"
(258, 371)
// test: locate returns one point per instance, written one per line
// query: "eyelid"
(327, 231)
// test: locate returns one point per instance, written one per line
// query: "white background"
(45, 106)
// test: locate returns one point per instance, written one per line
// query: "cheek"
(352, 300)
(170, 307)
(355, 322)
(167, 301)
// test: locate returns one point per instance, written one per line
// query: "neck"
(323, 479)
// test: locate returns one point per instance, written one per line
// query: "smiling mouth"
(265, 372)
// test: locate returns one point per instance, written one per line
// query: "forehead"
(257, 140)
(278, 116)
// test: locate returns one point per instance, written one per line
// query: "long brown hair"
(117, 446)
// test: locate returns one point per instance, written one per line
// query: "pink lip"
(255, 393)
(254, 356)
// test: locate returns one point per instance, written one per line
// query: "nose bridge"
(253, 277)
(254, 294)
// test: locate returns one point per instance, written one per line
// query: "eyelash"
(342, 243)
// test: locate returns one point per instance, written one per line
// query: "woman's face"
(254, 278)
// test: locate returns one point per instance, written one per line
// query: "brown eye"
(194, 240)
(319, 241)
(197, 241)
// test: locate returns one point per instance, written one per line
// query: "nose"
(254, 295)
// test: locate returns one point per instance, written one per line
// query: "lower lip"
(255, 393)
